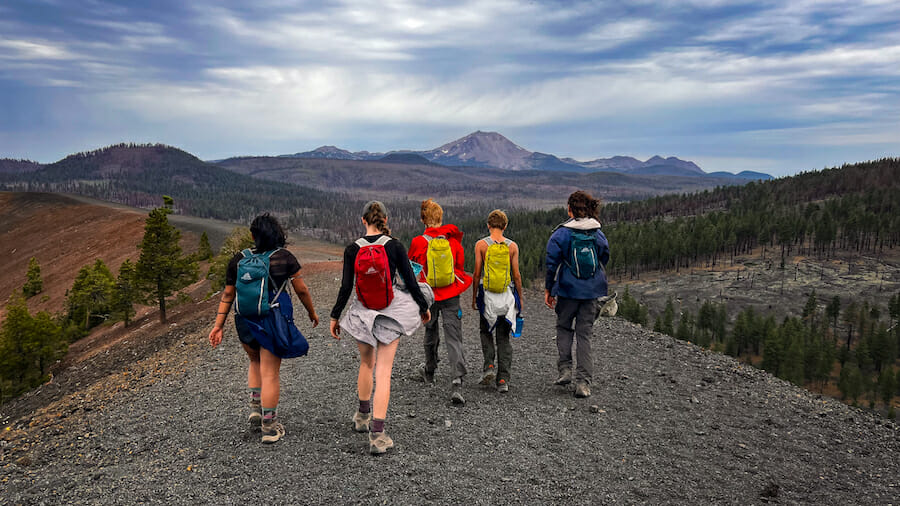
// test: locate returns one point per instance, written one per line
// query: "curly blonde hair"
(432, 213)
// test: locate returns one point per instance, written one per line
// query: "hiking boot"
(361, 421)
(272, 431)
(456, 395)
(379, 442)
(502, 386)
(565, 377)
(427, 377)
(255, 417)
(487, 377)
(582, 390)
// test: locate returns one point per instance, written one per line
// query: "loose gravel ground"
(668, 423)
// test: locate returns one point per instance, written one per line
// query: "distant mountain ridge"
(491, 149)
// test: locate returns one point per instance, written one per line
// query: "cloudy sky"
(732, 85)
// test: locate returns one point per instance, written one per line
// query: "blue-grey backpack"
(582, 258)
(252, 284)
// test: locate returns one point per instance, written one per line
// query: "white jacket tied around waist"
(372, 326)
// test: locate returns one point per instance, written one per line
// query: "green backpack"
(496, 265)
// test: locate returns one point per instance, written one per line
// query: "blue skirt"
(276, 331)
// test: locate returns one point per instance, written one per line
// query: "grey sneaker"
(487, 377)
(272, 431)
(456, 395)
(255, 417)
(379, 442)
(565, 377)
(502, 386)
(582, 390)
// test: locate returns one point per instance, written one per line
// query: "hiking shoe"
(487, 377)
(255, 417)
(565, 377)
(361, 421)
(456, 395)
(502, 386)
(272, 431)
(582, 390)
(427, 377)
(379, 442)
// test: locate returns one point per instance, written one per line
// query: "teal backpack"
(252, 284)
(582, 259)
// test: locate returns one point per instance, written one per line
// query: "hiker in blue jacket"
(577, 253)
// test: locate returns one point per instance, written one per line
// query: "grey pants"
(448, 311)
(503, 348)
(581, 311)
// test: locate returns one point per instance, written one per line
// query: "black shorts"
(243, 332)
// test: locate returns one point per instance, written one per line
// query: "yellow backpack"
(439, 258)
(496, 266)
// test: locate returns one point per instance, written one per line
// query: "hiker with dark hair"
(261, 347)
(497, 298)
(389, 303)
(439, 250)
(577, 253)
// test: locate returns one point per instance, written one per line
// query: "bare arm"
(514, 265)
(305, 297)
(215, 335)
(480, 250)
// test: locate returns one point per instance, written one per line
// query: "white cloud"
(21, 49)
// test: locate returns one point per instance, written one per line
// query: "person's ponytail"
(376, 214)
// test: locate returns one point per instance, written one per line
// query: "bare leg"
(384, 363)
(253, 378)
(269, 372)
(366, 365)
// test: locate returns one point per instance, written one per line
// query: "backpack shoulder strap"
(247, 252)
(383, 240)
(427, 237)
(361, 242)
(507, 241)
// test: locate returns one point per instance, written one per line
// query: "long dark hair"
(376, 214)
(583, 205)
(267, 233)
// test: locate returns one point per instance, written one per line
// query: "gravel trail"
(674, 424)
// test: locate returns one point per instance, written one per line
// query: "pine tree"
(668, 323)
(125, 293)
(684, 331)
(33, 282)
(90, 298)
(28, 346)
(162, 269)
(238, 240)
(832, 311)
(204, 251)
(886, 381)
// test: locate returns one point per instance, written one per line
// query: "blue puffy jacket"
(560, 280)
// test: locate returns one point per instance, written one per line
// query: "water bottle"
(517, 330)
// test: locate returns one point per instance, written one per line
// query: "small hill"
(11, 166)
(406, 158)
(63, 234)
(138, 175)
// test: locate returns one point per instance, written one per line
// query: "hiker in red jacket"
(448, 280)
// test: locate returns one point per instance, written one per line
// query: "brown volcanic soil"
(64, 235)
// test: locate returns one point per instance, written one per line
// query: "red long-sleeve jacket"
(419, 248)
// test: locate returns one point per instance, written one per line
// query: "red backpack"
(373, 274)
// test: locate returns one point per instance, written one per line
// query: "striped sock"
(365, 406)
(255, 395)
(377, 425)
(269, 413)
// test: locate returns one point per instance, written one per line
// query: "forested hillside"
(138, 175)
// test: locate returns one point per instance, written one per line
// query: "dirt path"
(676, 425)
